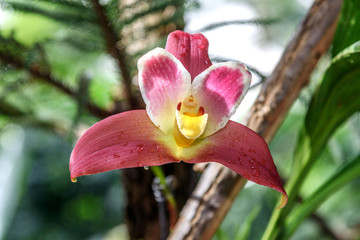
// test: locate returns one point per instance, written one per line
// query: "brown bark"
(141, 211)
(218, 186)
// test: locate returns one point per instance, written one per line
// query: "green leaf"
(244, 231)
(342, 177)
(337, 98)
(347, 31)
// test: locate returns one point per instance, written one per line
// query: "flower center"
(190, 121)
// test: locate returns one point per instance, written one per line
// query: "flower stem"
(158, 172)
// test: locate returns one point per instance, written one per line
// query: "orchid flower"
(189, 103)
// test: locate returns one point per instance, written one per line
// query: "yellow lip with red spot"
(190, 122)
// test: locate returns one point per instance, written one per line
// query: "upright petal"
(220, 89)
(164, 82)
(243, 151)
(124, 140)
(191, 50)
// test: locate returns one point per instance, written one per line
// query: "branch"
(252, 69)
(45, 76)
(218, 186)
(266, 21)
(116, 50)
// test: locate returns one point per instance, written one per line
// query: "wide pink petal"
(220, 89)
(124, 140)
(242, 150)
(164, 82)
(191, 50)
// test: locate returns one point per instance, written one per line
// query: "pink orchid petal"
(164, 82)
(123, 140)
(243, 151)
(220, 89)
(191, 50)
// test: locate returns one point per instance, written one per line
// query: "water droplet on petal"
(140, 148)
(256, 172)
(243, 154)
(211, 152)
(230, 161)
(244, 136)
(252, 150)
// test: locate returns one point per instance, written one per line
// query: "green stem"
(305, 156)
(158, 172)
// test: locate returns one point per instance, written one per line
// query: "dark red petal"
(191, 50)
(242, 150)
(124, 140)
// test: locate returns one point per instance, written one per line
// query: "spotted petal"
(242, 150)
(191, 50)
(164, 82)
(124, 140)
(220, 89)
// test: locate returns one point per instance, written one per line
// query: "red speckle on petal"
(201, 111)
(116, 155)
